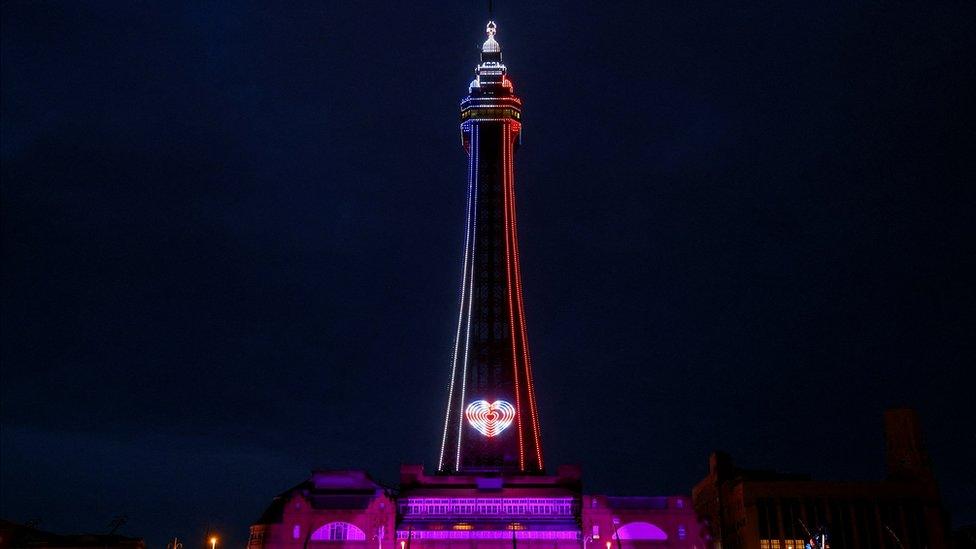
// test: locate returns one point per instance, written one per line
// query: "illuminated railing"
(490, 113)
(487, 507)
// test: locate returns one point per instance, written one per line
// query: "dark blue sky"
(232, 237)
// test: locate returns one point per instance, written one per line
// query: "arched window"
(641, 531)
(338, 531)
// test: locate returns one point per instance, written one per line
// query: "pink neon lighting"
(505, 535)
(641, 531)
(490, 419)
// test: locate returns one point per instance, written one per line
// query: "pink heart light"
(490, 419)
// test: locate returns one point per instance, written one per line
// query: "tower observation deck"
(491, 423)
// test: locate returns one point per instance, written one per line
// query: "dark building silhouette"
(965, 537)
(20, 536)
(750, 509)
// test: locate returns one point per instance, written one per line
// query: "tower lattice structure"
(491, 423)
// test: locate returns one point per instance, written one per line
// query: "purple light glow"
(489, 534)
(491, 507)
(641, 531)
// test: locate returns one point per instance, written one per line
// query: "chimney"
(905, 452)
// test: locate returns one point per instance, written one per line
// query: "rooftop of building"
(327, 489)
(17, 535)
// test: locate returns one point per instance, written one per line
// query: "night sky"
(232, 241)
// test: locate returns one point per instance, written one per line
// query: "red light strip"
(510, 176)
(506, 182)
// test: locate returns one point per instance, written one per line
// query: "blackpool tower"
(491, 423)
(490, 490)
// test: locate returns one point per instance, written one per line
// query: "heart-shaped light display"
(492, 418)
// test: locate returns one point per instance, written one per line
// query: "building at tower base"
(331, 509)
(348, 510)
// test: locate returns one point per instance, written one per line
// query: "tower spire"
(491, 423)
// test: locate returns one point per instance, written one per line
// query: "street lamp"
(380, 531)
(213, 542)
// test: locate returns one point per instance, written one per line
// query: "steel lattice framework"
(491, 375)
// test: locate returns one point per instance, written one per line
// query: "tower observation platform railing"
(506, 109)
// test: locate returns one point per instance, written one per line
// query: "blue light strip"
(474, 239)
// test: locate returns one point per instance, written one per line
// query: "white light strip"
(457, 336)
(467, 337)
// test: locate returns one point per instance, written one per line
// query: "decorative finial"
(490, 46)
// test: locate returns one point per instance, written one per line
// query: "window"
(338, 531)
(296, 532)
(682, 533)
(642, 531)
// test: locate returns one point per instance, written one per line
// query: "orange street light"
(213, 542)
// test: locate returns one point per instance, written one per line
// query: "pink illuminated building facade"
(490, 489)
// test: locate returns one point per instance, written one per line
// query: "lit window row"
(488, 506)
(504, 535)
(777, 544)
(490, 113)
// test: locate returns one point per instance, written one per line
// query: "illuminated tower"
(491, 423)
(490, 490)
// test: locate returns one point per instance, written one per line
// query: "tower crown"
(491, 95)
(490, 74)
